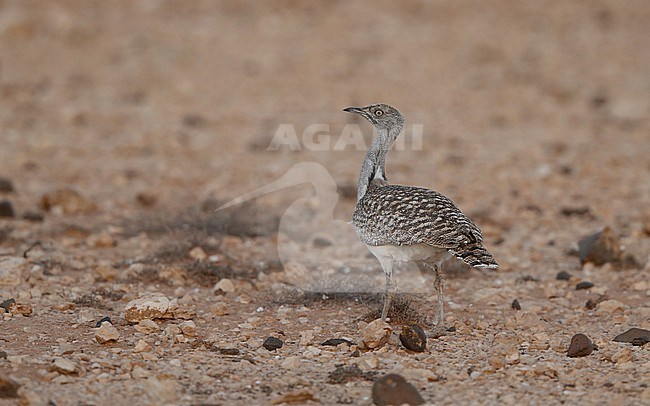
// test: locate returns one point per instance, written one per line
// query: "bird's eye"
(379, 113)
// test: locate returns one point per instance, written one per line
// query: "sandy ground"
(148, 115)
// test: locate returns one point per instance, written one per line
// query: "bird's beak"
(355, 110)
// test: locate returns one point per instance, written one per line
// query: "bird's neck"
(373, 170)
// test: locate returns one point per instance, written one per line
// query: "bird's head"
(382, 116)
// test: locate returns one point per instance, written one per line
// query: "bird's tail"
(477, 256)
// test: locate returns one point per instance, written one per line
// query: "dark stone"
(194, 121)
(103, 319)
(393, 389)
(272, 343)
(591, 304)
(7, 209)
(635, 336)
(33, 216)
(580, 346)
(355, 354)
(3, 354)
(515, 305)
(563, 276)
(228, 351)
(344, 374)
(337, 341)
(6, 185)
(584, 285)
(146, 199)
(413, 338)
(603, 247)
(577, 211)
(321, 242)
(7, 303)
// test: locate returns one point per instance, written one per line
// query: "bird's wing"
(400, 215)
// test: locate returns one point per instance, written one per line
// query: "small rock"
(188, 328)
(8, 387)
(413, 338)
(303, 396)
(198, 254)
(64, 366)
(11, 270)
(344, 374)
(272, 343)
(635, 336)
(7, 305)
(374, 335)
(33, 216)
(6, 186)
(152, 306)
(146, 199)
(106, 333)
(623, 355)
(580, 346)
(607, 307)
(70, 201)
(7, 209)
(147, 326)
(601, 248)
(141, 346)
(225, 285)
(101, 240)
(584, 285)
(393, 389)
(515, 305)
(563, 276)
(219, 309)
(321, 242)
(334, 342)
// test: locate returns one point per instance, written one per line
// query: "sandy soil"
(148, 115)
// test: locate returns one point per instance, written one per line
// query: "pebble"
(580, 346)
(334, 342)
(272, 343)
(515, 305)
(374, 335)
(69, 201)
(7, 209)
(198, 254)
(64, 366)
(147, 326)
(219, 309)
(635, 336)
(141, 346)
(150, 306)
(393, 389)
(413, 338)
(563, 276)
(106, 333)
(608, 307)
(600, 248)
(188, 328)
(584, 285)
(225, 285)
(11, 270)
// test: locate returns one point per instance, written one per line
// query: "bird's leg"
(438, 285)
(389, 290)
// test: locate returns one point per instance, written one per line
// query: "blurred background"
(525, 106)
